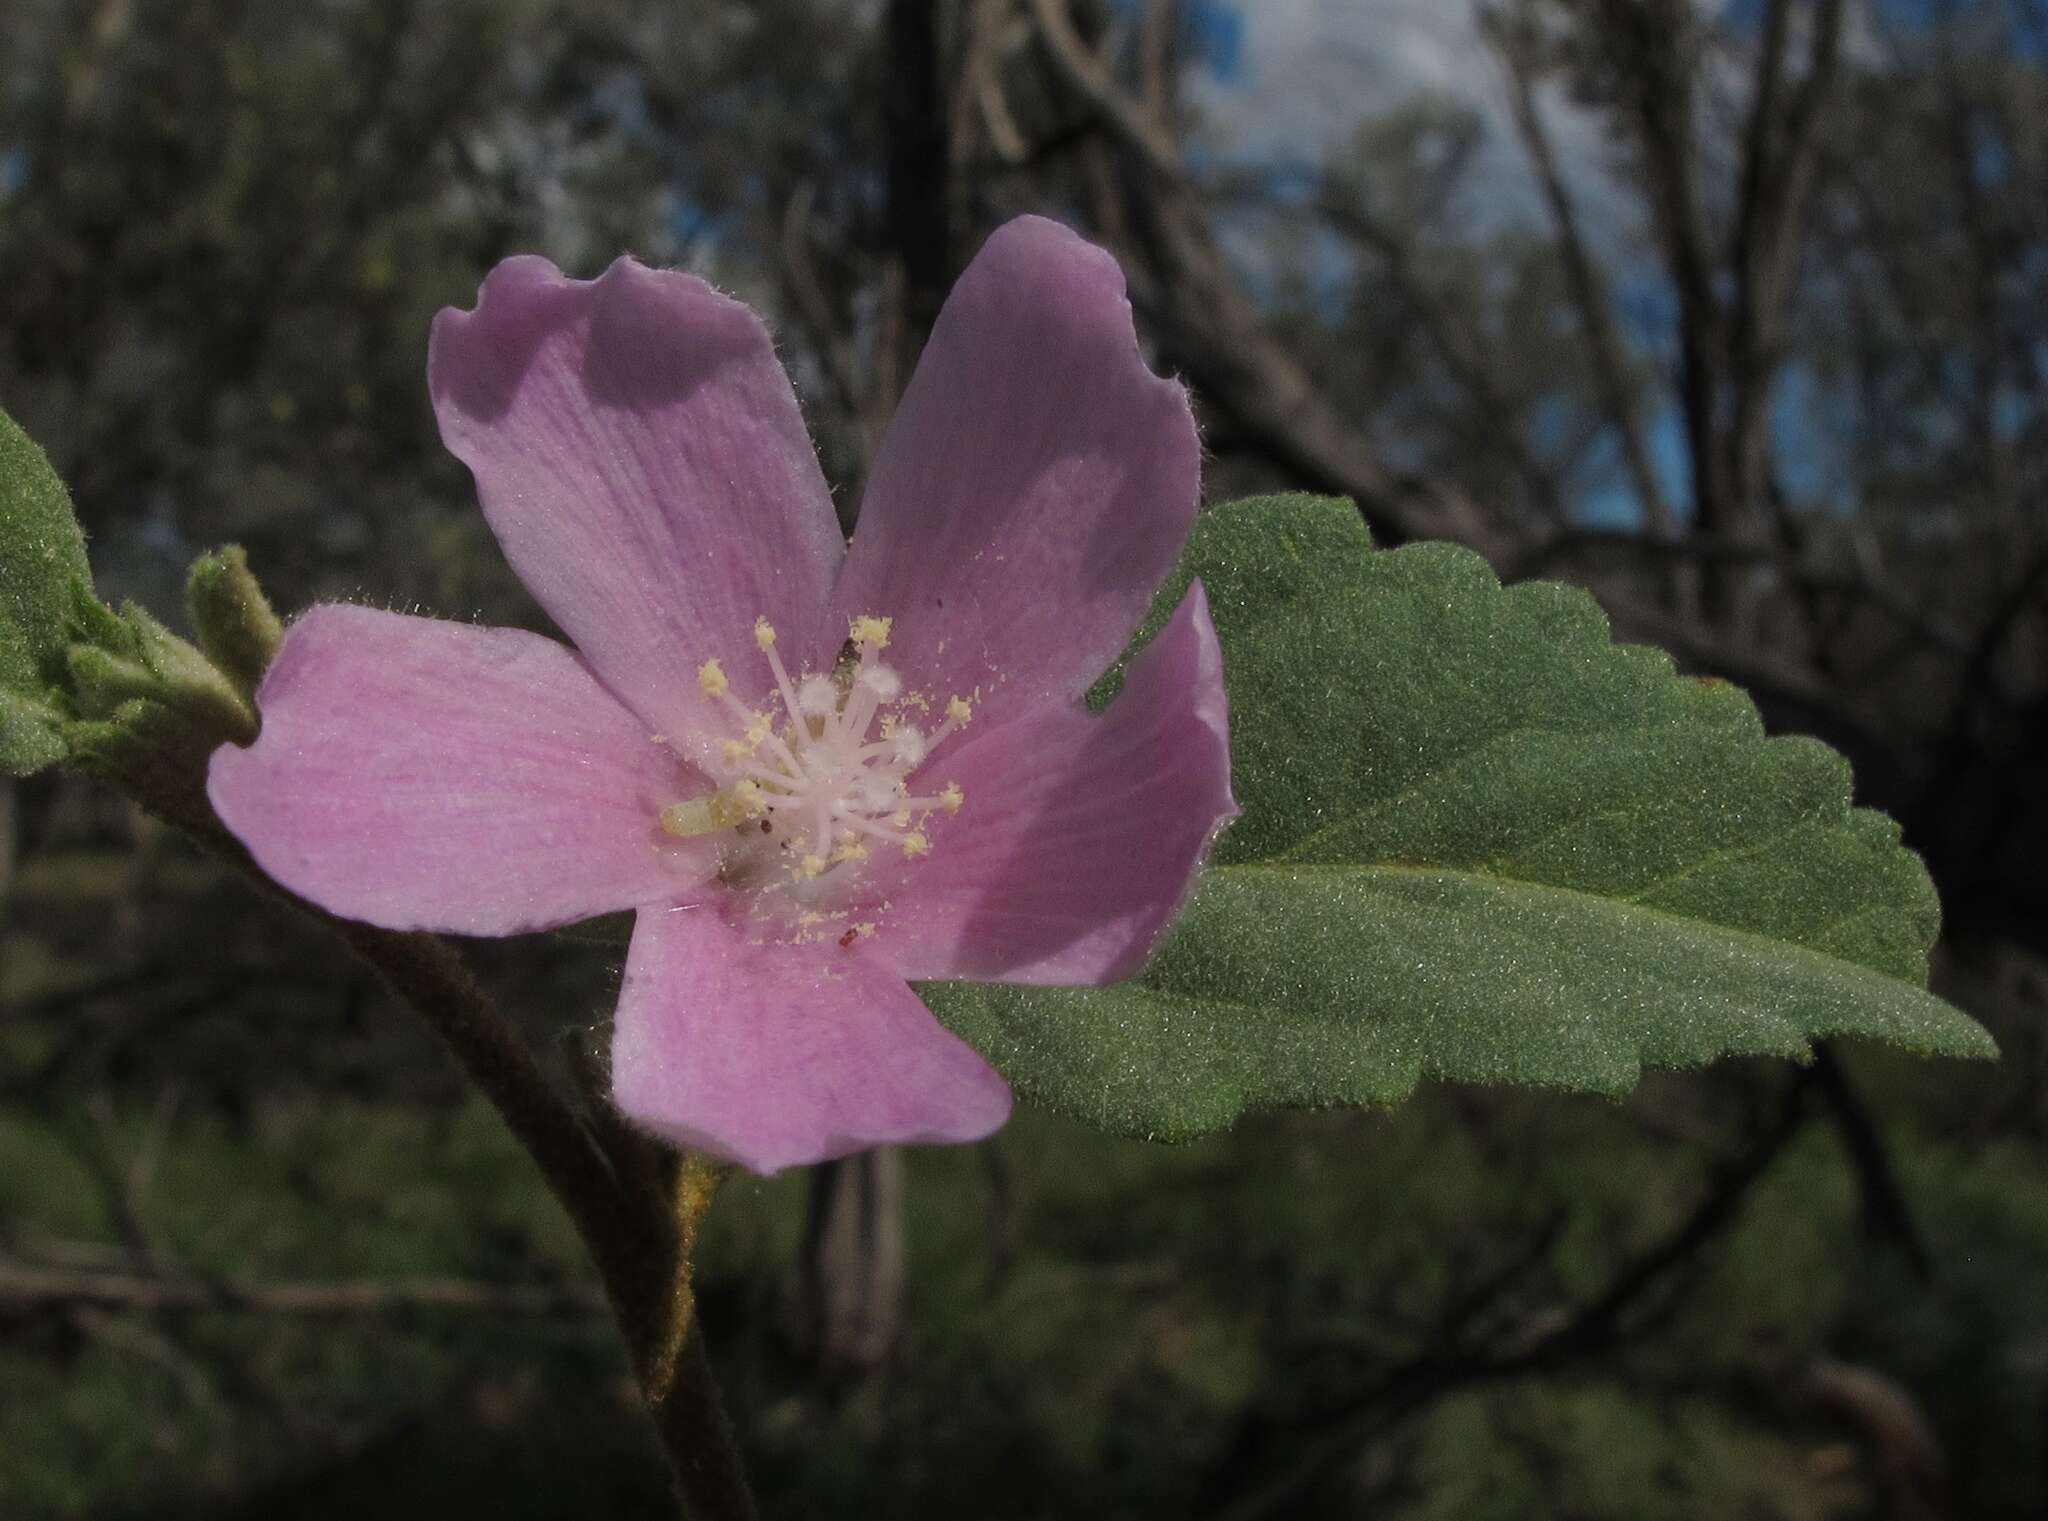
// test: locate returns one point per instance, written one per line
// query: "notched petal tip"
(1037, 483)
(640, 455)
(478, 357)
(1053, 250)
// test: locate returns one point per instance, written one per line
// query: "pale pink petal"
(426, 775)
(1080, 834)
(640, 456)
(774, 1055)
(1035, 487)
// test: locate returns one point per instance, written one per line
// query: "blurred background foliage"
(1735, 312)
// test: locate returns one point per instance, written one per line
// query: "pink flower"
(816, 770)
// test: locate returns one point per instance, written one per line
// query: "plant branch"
(1653, 46)
(637, 1223)
(29, 1285)
(1211, 326)
(1884, 1207)
(1639, 1292)
(1589, 292)
(1780, 155)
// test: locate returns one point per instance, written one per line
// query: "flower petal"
(426, 775)
(639, 454)
(1035, 487)
(774, 1055)
(1081, 833)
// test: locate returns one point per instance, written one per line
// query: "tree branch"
(28, 1286)
(638, 1240)
(1780, 155)
(1199, 308)
(1645, 41)
(1607, 1319)
(1589, 290)
(1459, 347)
(1884, 1207)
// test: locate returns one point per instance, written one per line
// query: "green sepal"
(101, 682)
(91, 621)
(154, 665)
(150, 710)
(154, 753)
(231, 618)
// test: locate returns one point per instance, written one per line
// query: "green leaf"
(42, 560)
(1480, 842)
(42, 568)
(31, 734)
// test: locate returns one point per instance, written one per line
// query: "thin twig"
(813, 308)
(1640, 1292)
(1589, 292)
(1885, 1209)
(24, 1285)
(1862, 588)
(1211, 325)
(635, 1237)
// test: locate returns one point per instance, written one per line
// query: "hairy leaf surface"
(42, 569)
(1481, 841)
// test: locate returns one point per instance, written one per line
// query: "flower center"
(811, 790)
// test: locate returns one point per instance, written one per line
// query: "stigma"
(821, 778)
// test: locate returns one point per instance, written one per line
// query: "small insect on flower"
(870, 763)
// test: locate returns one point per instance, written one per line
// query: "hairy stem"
(638, 1223)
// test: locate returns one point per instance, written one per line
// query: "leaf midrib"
(1413, 1071)
(1484, 749)
(1613, 906)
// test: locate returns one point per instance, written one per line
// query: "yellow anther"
(952, 797)
(813, 866)
(708, 815)
(865, 929)
(732, 752)
(749, 796)
(711, 677)
(871, 632)
(757, 731)
(900, 817)
(764, 633)
(850, 850)
(915, 844)
(960, 710)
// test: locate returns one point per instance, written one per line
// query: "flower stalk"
(639, 1223)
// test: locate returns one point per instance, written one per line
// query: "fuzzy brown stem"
(639, 1236)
